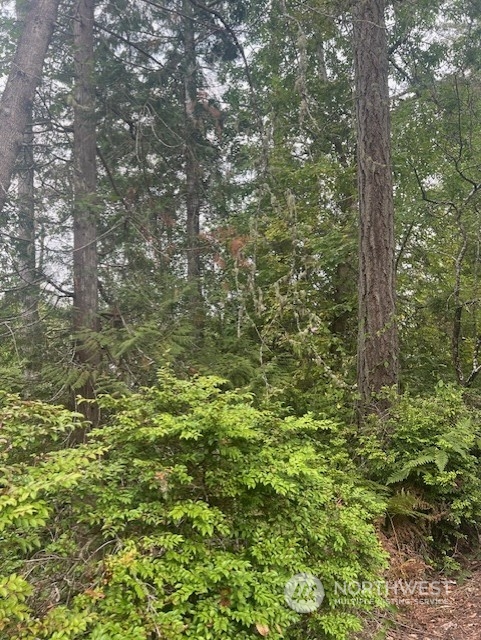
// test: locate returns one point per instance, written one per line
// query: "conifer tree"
(85, 261)
(26, 70)
(378, 339)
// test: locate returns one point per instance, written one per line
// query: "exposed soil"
(457, 616)
(451, 612)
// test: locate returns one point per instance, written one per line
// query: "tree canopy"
(241, 252)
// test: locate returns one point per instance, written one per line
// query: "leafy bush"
(182, 517)
(428, 453)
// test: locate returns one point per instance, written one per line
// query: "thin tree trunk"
(85, 259)
(16, 100)
(378, 337)
(344, 286)
(29, 293)
(193, 170)
(26, 220)
(27, 268)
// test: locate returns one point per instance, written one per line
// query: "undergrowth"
(183, 516)
(426, 454)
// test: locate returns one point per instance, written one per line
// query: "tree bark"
(26, 254)
(85, 259)
(193, 170)
(27, 267)
(16, 100)
(378, 337)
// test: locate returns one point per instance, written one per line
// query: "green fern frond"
(441, 459)
(405, 503)
(432, 455)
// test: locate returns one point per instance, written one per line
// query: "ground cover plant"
(184, 515)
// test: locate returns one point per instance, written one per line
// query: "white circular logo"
(304, 593)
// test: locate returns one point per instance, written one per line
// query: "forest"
(240, 316)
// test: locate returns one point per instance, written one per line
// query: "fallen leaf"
(262, 629)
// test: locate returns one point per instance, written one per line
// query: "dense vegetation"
(184, 424)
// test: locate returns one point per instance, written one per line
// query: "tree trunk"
(193, 170)
(16, 100)
(378, 338)
(26, 254)
(26, 259)
(85, 312)
(29, 290)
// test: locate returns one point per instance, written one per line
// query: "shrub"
(182, 517)
(427, 452)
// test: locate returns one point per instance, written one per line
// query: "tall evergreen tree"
(378, 338)
(85, 260)
(193, 169)
(29, 294)
(26, 70)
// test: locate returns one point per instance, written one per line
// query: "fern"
(413, 465)
(406, 503)
(441, 459)
(434, 455)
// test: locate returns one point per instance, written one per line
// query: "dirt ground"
(456, 617)
(452, 613)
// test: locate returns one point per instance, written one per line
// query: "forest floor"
(453, 612)
(455, 616)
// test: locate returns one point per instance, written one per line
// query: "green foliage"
(436, 142)
(428, 452)
(187, 511)
(182, 517)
